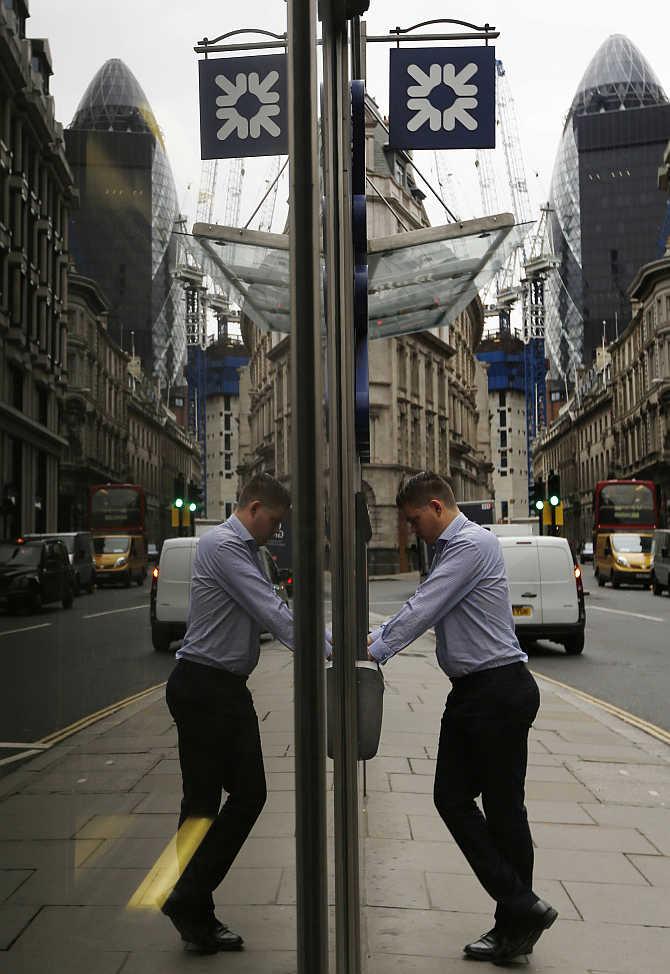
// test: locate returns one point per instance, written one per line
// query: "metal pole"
(339, 275)
(306, 438)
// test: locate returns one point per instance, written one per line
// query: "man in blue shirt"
(483, 748)
(232, 602)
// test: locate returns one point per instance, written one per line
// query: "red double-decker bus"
(625, 505)
(116, 509)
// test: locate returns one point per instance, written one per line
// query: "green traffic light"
(554, 500)
(192, 506)
(539, 505)
(179, 502)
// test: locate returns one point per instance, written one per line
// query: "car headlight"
(120, 562)
(620, 560)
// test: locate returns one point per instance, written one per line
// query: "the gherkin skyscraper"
(607, 209)
(122, 234)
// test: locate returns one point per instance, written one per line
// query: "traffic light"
(538, 498)
(193, 507)
(179, 503)
(554, 489)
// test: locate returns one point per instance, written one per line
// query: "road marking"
(622, 612)
(110, 612)
(653, 729)
(11, 632)
(16, 746)
(57, 736)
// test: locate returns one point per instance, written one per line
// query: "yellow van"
(624, 557)
(120, 558)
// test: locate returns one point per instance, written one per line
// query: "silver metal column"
(307, 484)
(339, 274)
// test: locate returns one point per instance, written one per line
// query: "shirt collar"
(450, 532)
(240, 530)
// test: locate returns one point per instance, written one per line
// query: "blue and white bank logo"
(442, 98)
(243, 107)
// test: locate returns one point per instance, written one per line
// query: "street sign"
(243, 107)
(442, 98)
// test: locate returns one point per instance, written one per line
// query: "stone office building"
(36, 192)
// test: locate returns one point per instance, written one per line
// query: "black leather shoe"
(525, 933)
(196, 931)
(486, 946)
(226, 938)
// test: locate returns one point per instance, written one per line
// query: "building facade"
(36, 193)
(425, 388)
(122, 233)
(503, 354)
(95, 421)
(225, 360)
(641, 383)
(607, 213)
(580, 446)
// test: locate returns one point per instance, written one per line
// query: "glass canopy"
(417, 280)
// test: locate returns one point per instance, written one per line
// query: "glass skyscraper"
(607, 210)
(122, 234)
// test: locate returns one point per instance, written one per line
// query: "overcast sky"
(545, 48)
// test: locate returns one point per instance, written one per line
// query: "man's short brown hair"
(264, 488)
(419, 490)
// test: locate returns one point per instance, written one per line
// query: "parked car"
(586, 554)
(623, 557)
(35, 573)
(120, 558)
(79, 546)
(546, 591)
(171, 589)
(660, 553)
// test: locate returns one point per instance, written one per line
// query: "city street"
(626, 653)
(61, 665)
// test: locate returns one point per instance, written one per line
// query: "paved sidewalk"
(82, 825)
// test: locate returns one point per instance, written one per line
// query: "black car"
(34, 573)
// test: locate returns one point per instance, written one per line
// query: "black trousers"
(483, 751)
(219, 749)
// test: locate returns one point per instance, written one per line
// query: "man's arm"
(454, 577)
(244, 581)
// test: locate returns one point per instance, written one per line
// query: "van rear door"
(174, 583)
(523, 577)
(560, 602)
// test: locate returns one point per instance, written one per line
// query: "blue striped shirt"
(232, 602)
(466, 598)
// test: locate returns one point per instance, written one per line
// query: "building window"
(226, 403)
(503, 438)
(16, 387)
(501, 398)
(226, 442)
(226, 422)
(504, 509)
(502, 418)
(503, 458)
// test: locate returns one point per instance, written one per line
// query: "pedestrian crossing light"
(554, 489)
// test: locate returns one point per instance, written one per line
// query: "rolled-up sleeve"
(455, 575)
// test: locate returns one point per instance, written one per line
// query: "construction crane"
(487, 182)
(266, 212)
(207, 191)
(509, 125)
(450, 189)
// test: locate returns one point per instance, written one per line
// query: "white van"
(171, 589)
(546, 590)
